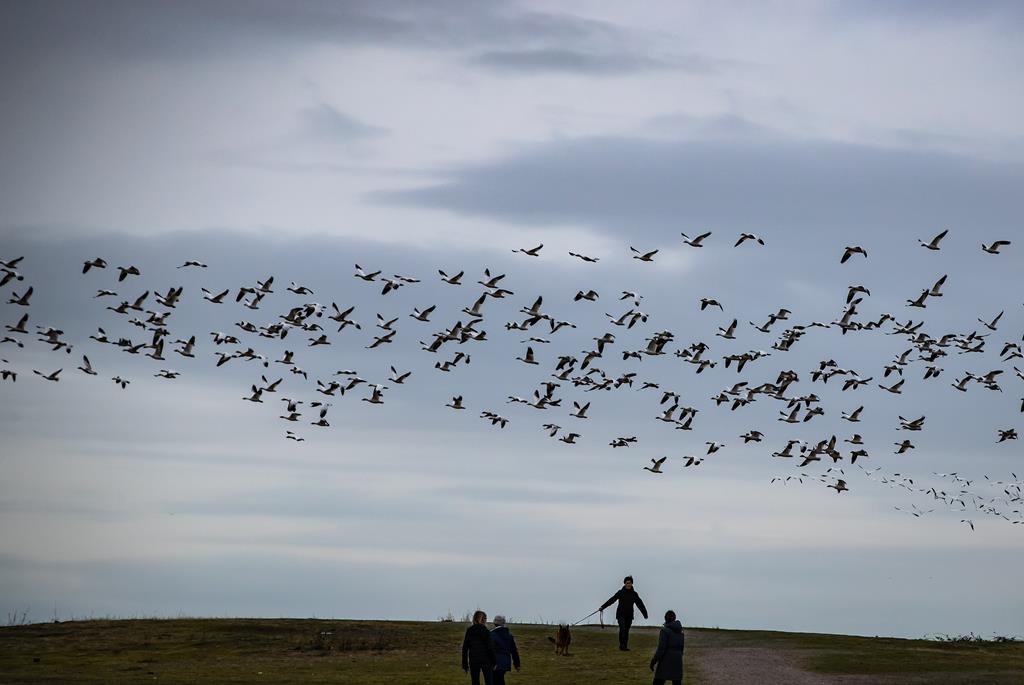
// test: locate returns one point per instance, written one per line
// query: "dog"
(562, 640)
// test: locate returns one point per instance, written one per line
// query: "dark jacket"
(626, 599)
(477, 647)
(669, 656)
(505, 649)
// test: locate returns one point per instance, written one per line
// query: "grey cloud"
(578, 62)
(934, 11)
(189, 29)
(656, 187)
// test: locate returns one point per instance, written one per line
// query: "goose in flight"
(50, 377)
(86, 367)
(376, 396)
(123, 382)
(706, 302)
(622, 442)
(192, 262)
(902, 447)
(19, 327)
(936, 290)
(850, 251)
(693, 461)
(752, 436)
(451, 280)
(839, 486)
(398, 378)
(289, 435)
(456, 402)
(492, 281)
(298, 289)
(167, 373)
(714, 446)
(98, 263)
(1008, 434)
(216, 299)
(655, 466)
(933, 244)
(382, 339)
(915, 425)
(696, 242)
(126, 271)
(580, 410)
(528, 359)
(423, 315)
(748, 236)
(995, 246)
(590, 296)
(991, 325)
(643, 256)
(495, 419)
(102, 292)
(570, 439)
(895, 388)
(21, 300)
(532, 252)
(256, 396)
(365, 276)
(727, 333)
(854, 416)
(584, 257)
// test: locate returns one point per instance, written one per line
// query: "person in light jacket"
(626, 597)
(505, 650)
(667, 662)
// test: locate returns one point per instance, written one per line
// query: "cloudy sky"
(299, 139)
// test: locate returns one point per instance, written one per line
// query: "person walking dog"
(478, 650)
(667, 662)
(627, 598)
(505, 650)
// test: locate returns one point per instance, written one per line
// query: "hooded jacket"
(626, 599)
(505, 649)
(667, 662)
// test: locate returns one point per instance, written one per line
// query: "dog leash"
(601, 611)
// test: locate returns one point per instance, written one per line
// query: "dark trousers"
(661, 681)
(475, 670)
(499, 677)
(624, 624)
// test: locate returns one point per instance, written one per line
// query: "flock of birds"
(144, 322)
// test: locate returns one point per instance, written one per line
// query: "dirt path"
(722, 660)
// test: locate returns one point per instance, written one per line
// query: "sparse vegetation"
(314, 651)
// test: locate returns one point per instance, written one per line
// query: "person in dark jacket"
(667, 662)
(505, 650)
(626, 597)
(478, 650)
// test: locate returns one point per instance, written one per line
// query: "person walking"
(667, 662)
(627, 598)
(505, 650)
(478, 650)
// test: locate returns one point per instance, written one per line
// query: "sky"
(297, 140)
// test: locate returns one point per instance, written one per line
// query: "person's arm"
(492, 654)
(640, 605)
(611, 600)
(515, 652)
(465, 651)
(659, 653)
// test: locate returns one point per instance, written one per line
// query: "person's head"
(670, 616)
(479, 616)
(499, 620)
(628, 581)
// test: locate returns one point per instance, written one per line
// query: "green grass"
(287, 651)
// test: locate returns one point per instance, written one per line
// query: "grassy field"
(285, 651)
